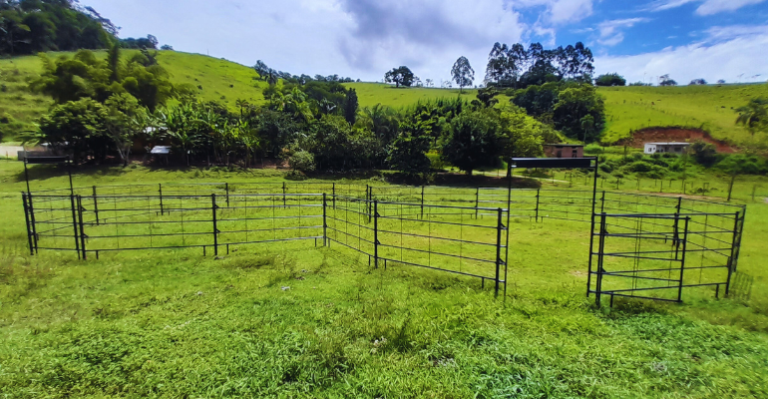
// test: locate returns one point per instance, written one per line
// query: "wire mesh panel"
(461, 230)
(460, 240)
(53, 222)
(655, 256)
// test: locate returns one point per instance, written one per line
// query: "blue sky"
(640, 39)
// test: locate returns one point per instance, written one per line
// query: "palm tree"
(383, 121)
(753, 116)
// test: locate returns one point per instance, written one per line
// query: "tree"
(429, 83)
(754, 115)
(407, 153)
(350, 106)
(698, 82)
(166, 47)
(664, 80)
(33, 26)
(303, 161)
(78, 127)
(579, 113)
(400, 77)
(704, 153)
(113, 61)
(611, 79)
(462, 72)
(125, 121)
(473, 141)
(382, 121)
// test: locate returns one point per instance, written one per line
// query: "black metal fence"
(457, 230)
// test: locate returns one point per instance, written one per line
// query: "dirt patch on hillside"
(673, 134)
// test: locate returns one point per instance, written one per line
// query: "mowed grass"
(370, 94)
(215, 79)
(711, 108)
(177, 324)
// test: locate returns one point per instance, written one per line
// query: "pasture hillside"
(370, 94)
(710, 108)
(216, 80)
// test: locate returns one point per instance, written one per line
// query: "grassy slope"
(178, 324)
(370, 94)
(708, 107)
(221, 80)
(629, 108)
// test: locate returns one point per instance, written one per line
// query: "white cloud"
(558, 11)
(356, 38)
(727, 53)
(707, 7)
(611, 33)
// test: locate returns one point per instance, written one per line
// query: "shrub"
(704, 153)
(739, 164)
(594, 149)
(640, 167)
(302, 161)
(606, 167)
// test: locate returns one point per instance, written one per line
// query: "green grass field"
(216, 79)
(707, 107)
(177, 324)
(370, 94)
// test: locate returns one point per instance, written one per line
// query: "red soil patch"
(673, 134)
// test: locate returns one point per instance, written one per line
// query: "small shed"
(666, 148)
(564, 150)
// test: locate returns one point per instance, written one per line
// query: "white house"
(661, 148)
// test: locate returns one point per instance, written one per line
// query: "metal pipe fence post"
(226, 188)
(284, 201)
(215, 226)
(160, 191)
(26, 218)
(376, 234)
(731, 259)
(682, 260)
(477, 203)
(600, 259)
(602, 202)
(422, 202)
(538, 200)
(740, 236)
(499, 227)
(325, 223)
(33, 220)
(334, 196)
(80, 210)
(592, 224)
(74, 224)
(96, 205)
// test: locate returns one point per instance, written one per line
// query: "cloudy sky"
(640, 39)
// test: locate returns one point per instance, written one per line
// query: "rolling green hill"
(628, 108)
(706, 107)
(370, 94)
(216, 79)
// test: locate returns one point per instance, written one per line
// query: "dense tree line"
(106, 108)
(272, 76)
(32, 26)
(517, 67)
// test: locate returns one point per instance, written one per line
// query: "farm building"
(564, 150)
(661, 148)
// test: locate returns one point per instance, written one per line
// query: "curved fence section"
(644, 246)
